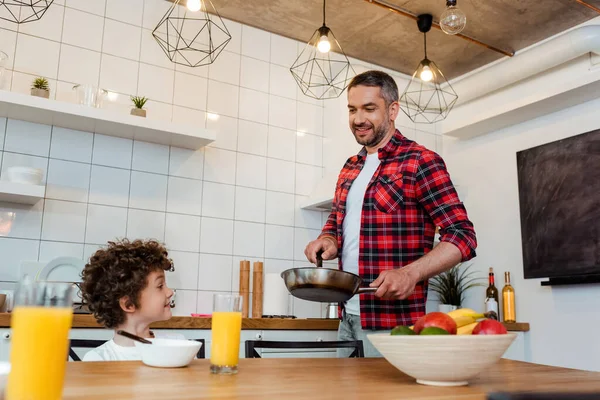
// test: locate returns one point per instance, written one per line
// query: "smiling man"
(388, 201)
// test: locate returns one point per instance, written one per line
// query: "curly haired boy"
(124, 285)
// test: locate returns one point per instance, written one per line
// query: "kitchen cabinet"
(517, 350)
(299, 336)
(288, 335)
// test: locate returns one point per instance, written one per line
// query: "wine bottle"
(508, 300)
(491, 295)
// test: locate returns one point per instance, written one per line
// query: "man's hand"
(327, 244)
(396, 284)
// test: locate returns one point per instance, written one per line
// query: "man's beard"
(378, 134)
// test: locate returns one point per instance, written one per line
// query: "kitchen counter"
(88, 321)
(317, 378)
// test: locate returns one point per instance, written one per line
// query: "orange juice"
(226, 329)
(39, 347)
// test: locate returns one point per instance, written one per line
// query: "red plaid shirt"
(409, 195)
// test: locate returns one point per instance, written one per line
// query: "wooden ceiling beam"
(398, 10)
(591, 7)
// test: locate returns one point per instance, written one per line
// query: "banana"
(465, 312)
(466, 329)
(464, 320)
(467, 317)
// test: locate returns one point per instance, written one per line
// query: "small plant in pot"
(39, 88)
(139, 103)
(451, 285)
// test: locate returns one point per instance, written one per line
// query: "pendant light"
(322, 70)
(429, 97)
(22, 11)
(193, 35)
(453, 19)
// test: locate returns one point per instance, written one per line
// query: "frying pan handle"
(366, 290)
(320, 259)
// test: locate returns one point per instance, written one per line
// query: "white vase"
(446, 308)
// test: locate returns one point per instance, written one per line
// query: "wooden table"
(306, 379)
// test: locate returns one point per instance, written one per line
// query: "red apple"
(489, 327)
(438, 320)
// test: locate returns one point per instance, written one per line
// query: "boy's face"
(155, 299)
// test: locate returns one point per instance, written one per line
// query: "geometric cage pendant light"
(428, 97)
(322, 70)
(194, 35)
(22, 11)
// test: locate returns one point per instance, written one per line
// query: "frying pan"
(322, 284)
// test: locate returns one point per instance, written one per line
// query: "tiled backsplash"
(238, 198)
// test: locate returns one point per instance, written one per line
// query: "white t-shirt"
(110, 351)
(351, 224)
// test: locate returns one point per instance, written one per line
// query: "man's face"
(368, 115)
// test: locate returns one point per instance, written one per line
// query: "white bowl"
(442, 360)
(168, 353)
(28, 175)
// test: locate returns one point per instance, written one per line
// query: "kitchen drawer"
(271, 353)
(300, 336)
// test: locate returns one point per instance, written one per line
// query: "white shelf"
(320, 204)
(74, 116)
(21, 193)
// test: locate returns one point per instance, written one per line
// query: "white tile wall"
(186, 271)
(252, 138)
(237, 198)
(71, 145)
(27, 138)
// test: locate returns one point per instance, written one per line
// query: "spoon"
(133, 337)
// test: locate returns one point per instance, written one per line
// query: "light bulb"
(453, 20)
(324, 46)
(194, 5)
(426, 74)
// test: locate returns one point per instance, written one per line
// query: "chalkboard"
(559, 199)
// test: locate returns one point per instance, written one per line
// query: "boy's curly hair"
(120, 270)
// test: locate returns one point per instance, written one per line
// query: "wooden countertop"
(88, 321)
(350, 378)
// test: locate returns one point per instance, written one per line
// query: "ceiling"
(377, 35)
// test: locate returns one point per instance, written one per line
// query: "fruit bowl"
(444, 360)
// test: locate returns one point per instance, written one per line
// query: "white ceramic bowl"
(168, 353)
(442, 360)
(28, 175)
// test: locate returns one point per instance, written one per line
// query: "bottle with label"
(508, 300)
(491, 295)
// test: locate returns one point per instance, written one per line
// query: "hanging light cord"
(323, 12)
(425, 43)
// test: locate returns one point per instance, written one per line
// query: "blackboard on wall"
(559, 199)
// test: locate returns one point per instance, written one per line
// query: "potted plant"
(139, 103)
(451, 286)
(39, 88)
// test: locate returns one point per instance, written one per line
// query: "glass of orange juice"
(40, 323)
(226, 329)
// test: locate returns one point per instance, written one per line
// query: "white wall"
(564, 322)
(236, 199)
